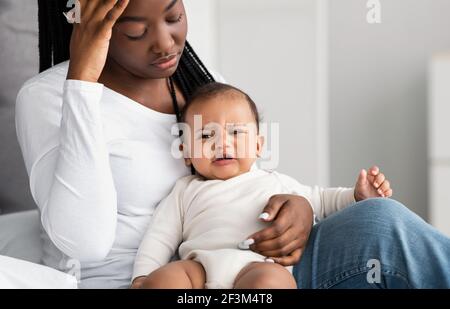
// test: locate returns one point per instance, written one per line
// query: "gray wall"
(378, 90)
(269, 48)
(18, 62)
(378, 93)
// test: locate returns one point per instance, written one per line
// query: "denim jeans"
(376, 243)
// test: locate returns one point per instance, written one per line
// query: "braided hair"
(54, 45)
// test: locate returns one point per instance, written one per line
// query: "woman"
(95, 133)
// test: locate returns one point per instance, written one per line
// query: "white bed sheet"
(20, 255)
(20, 274)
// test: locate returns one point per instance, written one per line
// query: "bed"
(20, 255)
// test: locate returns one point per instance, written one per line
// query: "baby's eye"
(238, 131)
(207, 135)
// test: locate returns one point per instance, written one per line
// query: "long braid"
(63, 29)
(191, 73)
(45, 58)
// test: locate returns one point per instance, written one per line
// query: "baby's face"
(223, 141)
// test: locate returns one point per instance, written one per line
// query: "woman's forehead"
(149, 8)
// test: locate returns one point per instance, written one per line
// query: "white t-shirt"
(205, 216)
(98, 164)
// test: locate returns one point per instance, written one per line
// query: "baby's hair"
(214, 90)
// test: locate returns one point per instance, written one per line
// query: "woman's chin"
(155, 73)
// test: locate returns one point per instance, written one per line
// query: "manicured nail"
(376, 184)
(269, 260)
(380, 192)
(264, 216)
(245, 245)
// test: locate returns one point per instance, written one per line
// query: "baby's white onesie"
(207, 219)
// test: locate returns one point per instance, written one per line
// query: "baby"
(207, 215)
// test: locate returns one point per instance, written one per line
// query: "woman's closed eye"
(175, 19)
(137, 37)
(133, 31)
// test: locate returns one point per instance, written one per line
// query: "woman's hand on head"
(285, 239)
(89, 43)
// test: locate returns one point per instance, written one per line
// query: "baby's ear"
(188, 162)
(259, 145)
(183, 150)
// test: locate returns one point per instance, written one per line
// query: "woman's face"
(149, 38)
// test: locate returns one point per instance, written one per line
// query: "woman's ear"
(259, 145)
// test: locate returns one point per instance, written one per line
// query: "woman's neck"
(152, 93)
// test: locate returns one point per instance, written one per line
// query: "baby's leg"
(264, 276)
(177, 275)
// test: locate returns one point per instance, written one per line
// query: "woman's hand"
(284, 241)
(372, 183)
(89, 43)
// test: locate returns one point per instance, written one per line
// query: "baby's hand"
(372, 184)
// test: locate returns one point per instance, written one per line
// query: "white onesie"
(207, 219)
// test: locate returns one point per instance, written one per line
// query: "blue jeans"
(376, 243)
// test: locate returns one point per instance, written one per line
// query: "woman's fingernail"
(375, 184)
(264, 216)
(269, 260)
(246, 244)
(249, 241)
(380, 192)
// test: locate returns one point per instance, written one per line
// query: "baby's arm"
(324, 201)
(370, 184)
(327, 201)
(164, 234)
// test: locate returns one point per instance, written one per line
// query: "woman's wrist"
(73, 74)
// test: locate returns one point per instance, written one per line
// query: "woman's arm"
(64, 147)
(68, 164)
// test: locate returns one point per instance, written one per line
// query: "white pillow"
(19, 274)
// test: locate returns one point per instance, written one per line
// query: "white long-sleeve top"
(210, 215)
(98, 164)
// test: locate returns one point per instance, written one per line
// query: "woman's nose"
(163, 42)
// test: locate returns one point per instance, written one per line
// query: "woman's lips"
(166, 63)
